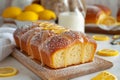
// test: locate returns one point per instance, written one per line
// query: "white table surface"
(26, 74)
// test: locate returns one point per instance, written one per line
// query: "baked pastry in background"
(118, 15)
(54, 45)
(106, 10)
(95, 13)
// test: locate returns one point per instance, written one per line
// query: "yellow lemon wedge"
(7, 71)
(47, 15)
(104, 75)
(100, 37)
(108, 21)
(11, 12)
(107, 52)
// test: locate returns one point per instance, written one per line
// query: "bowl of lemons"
(31, 13)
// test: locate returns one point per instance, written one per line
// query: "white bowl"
(23, 23)
(29, 23)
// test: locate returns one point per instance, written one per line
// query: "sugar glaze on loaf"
(55, 46)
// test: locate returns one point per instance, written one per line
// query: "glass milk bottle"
(73, 18)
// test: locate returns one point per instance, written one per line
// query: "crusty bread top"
(104, 8)
(64, 40)
(118, 15)
(51, 37)
(40, 37)
(93, 14)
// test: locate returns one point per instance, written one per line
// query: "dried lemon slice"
(7, 71)
(100, 37)
(108, 20)
(104, 75)
(107, 52)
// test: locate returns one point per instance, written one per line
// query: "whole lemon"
(47, 15)
(34, 7)
(27, 16)
(11, 12)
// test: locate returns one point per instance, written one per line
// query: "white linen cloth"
(7, 42)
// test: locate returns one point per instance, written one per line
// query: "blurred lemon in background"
(34, 7)
(108, 21)
(47, 15)
(31, 12)
(11, 12)
(27, 16)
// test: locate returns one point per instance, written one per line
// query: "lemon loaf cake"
(55, 46)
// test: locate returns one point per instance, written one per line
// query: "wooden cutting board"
(46, 73)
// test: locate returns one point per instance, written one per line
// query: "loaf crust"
(55, 46)
(118, 15)
(106, 10)
(95, 13)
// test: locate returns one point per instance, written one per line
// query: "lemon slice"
(7, 71)
(108, 21)
(107, 52)
(104, 75)
(100, 37)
